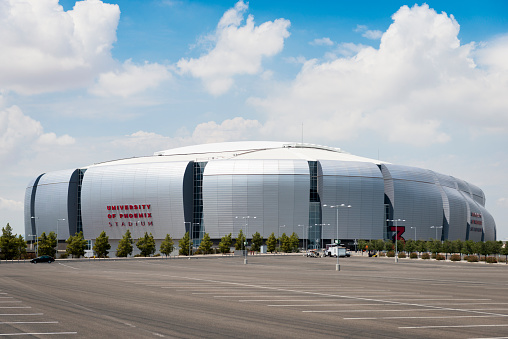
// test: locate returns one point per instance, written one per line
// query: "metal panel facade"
(417, 199)
(275, 192)
(359, 184)
(139, 197)
(51, 203)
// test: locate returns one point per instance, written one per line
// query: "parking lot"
(274, 296)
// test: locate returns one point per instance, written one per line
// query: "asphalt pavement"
(273, 296)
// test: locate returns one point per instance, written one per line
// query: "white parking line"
(432, 317)
(11, 314)
(28, 322)
(453, 326)
(375, 311)
(15, 307)
(38, 333)
(74, 268)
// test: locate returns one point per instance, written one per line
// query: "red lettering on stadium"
(139, 211)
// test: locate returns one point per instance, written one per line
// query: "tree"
(435, 246)
(146, 245)
(421, 246)
(185, 245)
(457, 246)
(257, 241)
(362, 245)
(285, 244)
(225, 244)
(504, 251)
(271, 243)
(76, 245)
(125, 245)
(102, 245)
(167, 245)
(8, 243)
(468, 247)
(447, 247)
(240, 241)
(21, 246)
(47, 244)
(294, 241)
(410, 245)
(206, 244)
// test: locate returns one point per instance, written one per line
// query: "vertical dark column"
(197, 220)
(314, 231)
(32, 205)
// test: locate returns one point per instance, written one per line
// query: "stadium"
(320, 193)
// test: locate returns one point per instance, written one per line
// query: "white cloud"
(322, 42)
(11, 205)
(417, 88)
(130, 79)
(238, 49)
(45, 48)
(367, 33)
(502, 202)
(231, 129)
(21, 136)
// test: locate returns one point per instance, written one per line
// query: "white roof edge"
(240, 146)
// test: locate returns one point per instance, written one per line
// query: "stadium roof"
(247, 150)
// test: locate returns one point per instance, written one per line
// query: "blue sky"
(419, 84)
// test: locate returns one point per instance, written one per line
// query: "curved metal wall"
(142, 198)
(275, 192)
(359, 184)
(416, 199)
(51, 203)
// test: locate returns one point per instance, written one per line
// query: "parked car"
(43, 258)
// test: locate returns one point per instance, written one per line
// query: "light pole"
(436, 227)
(304, 237)
(279, 234)
(337, 266)
(246, 239)
(190, 225)
(396, 237)
(57, 220)
(36, 236)
(415, 231)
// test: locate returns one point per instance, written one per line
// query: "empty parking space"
(290, 296)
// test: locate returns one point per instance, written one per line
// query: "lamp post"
(337, 266)
(278, 234)
(57, 220)
(245, 242)
(36, 236)
(415, 231)
(436, 227)
(396, 237)
(304, 237)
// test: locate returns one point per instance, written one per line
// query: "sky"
(417, 84)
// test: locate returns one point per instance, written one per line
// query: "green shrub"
(455, 257)
(381, 254)
(402, 254)
(413, 255)
(491, 260)
(157, 255)
(63, 255)
(390, 254)
(425, 255)
(472, 258)
(440, 257)
(433, 256)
